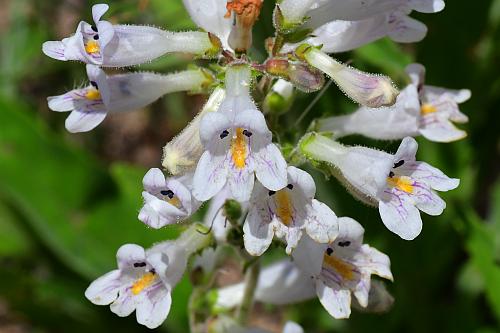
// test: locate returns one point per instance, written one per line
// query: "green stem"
(251, 278)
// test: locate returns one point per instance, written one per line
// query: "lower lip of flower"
(283, 207)
(345, 269)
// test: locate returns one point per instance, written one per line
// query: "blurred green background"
(67, 202)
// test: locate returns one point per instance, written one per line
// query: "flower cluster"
(258, 194)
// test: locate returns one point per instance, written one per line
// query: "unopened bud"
(280, 98)
(246, 14)
(367, 89)
(232, 211)
(302, 76)
(182, 153)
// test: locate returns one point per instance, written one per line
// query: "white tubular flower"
(398, 184)
(237, 144)
(366, 89)
(419, 110)
(287, 213)
(182, 153)
(166, 201)
(144, 280)
(210, 15)
(279, 283)
(119, 93)
(225, 324)
(110, 45)
(319, 12)
(342, 267)
(341, 36)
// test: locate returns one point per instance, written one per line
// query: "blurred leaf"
(13, 239)
(481, 247)
(54, 186)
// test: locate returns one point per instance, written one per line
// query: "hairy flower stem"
(251, 278)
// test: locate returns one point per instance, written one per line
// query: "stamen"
(345, 269)
(272, 193)
(172, 199)
(329, 251)
(398, 164)
(344, 244)
(391, 174)
(139, 264)
(427, 108)
(247, 133)
(96, 37)
(145, 281)
(290, 186)
(284, 208)
(403, 183)
(239, 149)
(224, 134)
(92, 47)
(94, 84)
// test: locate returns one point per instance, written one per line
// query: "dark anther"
(139, 264)
(96, 37)
(344, 244)
(391, 174)
(329, 251)
(224, 134)
(272, 193)
(152, 271)
(290, 186)
(398, 164)
(168, 193)
(94, 84)
(247, 133)
(93, 27)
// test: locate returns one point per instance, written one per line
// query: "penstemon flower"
(145, 278)
(318, 12)
(366, 89)
(119, 93)
(237, 148)
(342, 267)
(398, 184)
(419, 110)
(110, 45)
(287, 213)
(342, 35)
(166, 201)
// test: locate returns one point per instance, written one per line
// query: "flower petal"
(154, 308)
(321, 223)
(125, 304)
(270, 167)
(84, 120)
(400, 216)
(104, 290)
(336, 302)
(54, 49)
(98, 11)
(407, 150)
(406, 29)
(154, 180)
(210, 176)
(129, 254)
(257, 231)
(375, 262)
(241, 182)
(430, 175)
(62, 103)
(427, 200)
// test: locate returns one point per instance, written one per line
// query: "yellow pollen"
(239, 149)
(346, 270)
(92, 46)
(427, 108)
(93, 94)
(284, 208)
(401, 182)
(175, 202)
(145, 281)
